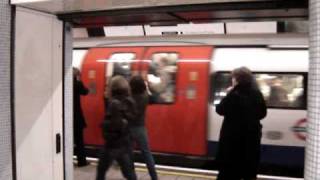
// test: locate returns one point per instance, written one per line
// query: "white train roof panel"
(260, 59)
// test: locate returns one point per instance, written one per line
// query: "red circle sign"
(299, 129)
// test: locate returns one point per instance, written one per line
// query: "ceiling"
(70, 6)
(98, 13)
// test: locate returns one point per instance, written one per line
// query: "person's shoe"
(82, 164)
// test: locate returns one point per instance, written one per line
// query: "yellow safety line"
(179, 174)
(193, 175)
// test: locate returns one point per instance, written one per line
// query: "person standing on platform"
(137, 127)
(120, 109)
(79, 122)
(238, 153)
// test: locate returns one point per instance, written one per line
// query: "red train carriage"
(177, 120)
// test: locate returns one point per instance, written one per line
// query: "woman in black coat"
(79, 122)
(240, 135)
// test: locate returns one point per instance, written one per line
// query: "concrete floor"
(89, 172)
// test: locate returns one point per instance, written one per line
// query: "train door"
(178, 81)
(99, 66)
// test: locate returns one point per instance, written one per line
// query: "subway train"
(186, 81)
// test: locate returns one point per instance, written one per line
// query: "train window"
(282, 90)
(162, 77)
(221, 83)
(120, 64)
(279, 90)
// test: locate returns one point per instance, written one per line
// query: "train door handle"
(58, 143)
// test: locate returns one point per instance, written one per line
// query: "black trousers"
(79, 145)
(122, 156)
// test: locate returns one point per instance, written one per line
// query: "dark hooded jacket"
(240, 134)
(119, 111)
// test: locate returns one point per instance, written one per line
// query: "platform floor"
(89, 172)
(172, 173)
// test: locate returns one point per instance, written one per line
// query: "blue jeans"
(122, 156)
(139, 135)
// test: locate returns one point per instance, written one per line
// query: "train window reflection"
(279, 90)
(162, 77)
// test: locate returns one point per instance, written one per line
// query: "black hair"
(137, 85)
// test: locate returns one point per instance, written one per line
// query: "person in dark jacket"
(120, 109)
(79, 122)
(240, 135)
(137, 126)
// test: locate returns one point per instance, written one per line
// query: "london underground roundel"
(299, 129)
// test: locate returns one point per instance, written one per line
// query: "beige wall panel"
(38, 95)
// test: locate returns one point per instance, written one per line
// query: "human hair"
(76, 71)
(137, 85)
(244, 76)
(119, 86)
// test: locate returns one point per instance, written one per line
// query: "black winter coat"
(78, 90)
(240, 134)
(120, 110)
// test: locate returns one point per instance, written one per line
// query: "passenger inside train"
(278, 95)
(161, 77)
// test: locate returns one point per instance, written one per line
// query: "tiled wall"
(312, 165)
(68, 106)
(5, 117)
